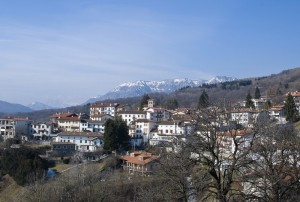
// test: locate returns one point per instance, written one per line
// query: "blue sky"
(70, 50)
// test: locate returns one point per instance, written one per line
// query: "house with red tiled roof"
(140, 162)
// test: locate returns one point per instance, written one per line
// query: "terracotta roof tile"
(140, 158)
(84, 134)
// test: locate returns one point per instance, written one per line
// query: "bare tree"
(275, 173)
(221, 154)
(177, 170)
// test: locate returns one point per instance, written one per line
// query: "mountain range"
(275, 86)
(139, 88)
(125, 90)
(6, 107)
(39, 106)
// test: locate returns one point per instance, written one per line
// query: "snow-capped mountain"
(139, 88)
(39, 106)
(220, 79)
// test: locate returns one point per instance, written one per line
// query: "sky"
(71, 50)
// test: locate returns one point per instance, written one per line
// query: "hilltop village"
(148, 126)
(232, 144)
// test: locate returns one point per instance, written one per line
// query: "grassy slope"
(11, 191)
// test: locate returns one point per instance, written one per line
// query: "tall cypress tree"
(203, 100)
(115, 134)
(257, 93)
(291, 111)
(249, 102)
(110, 140)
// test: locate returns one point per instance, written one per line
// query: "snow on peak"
(140, 87)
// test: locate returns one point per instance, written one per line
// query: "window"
(85, 141)
(80, 141)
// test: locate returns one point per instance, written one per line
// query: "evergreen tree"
(268, 104)
(291, 111)
(257, 93)
(249, 102)
(110, 135)
(115, 134)
(171, 104)
(144, 101)
(203, 100)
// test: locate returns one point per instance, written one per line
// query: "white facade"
(106, 108)
(41, 129)
(92, 126)
(245, 117)
(85, 141)
(158, 139)
(70, 124)
(277, 112)
(157, 114)
(130, 116)
(101, 117)
(143, 128)
(172, 128)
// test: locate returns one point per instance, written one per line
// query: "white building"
(130, 116)
(71, 124)
(277, 113)
(68, 121)
(92, 126)
(85, 141)
(143, 128)
(106, 108)
(174, 128)
(38, 130)
(158, 139)
(101, 117)
(170, 132)
(10, 127)
(157, 114)
(245, 117)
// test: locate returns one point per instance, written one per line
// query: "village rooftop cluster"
(68, 133)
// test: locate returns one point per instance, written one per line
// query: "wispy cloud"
(98, 54)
